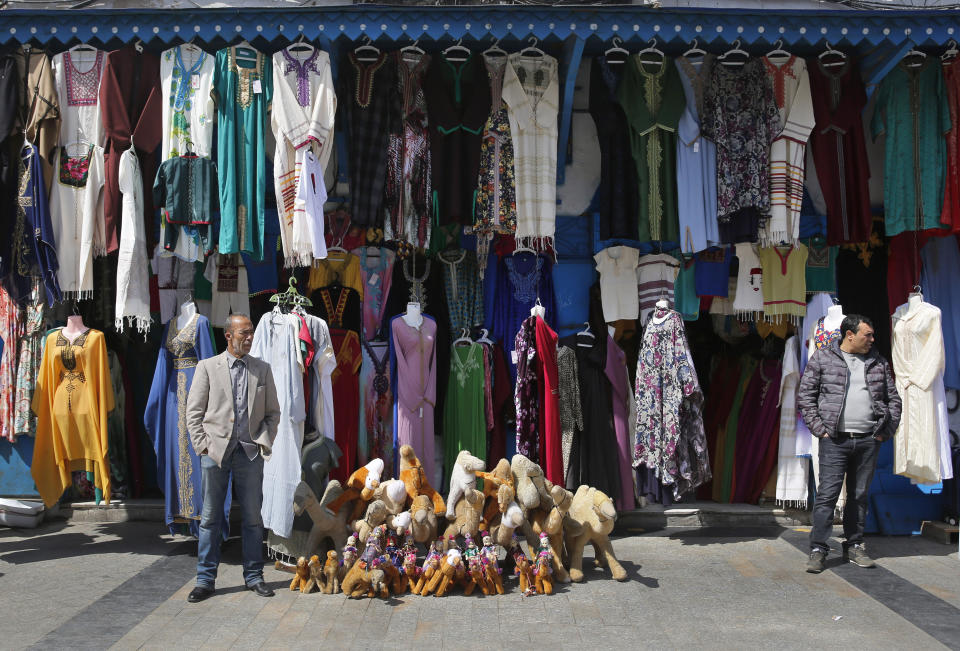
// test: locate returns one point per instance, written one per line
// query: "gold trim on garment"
(183, 363)
(185, 462)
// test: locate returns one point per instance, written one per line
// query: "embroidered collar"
(303, 68)
(182, 77)
(83, 88)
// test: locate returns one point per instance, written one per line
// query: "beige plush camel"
(467, 518)
(423, 519)
(590, 520)
(550, 521)
(375, 516)
(325, 525)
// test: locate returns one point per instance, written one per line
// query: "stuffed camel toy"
(550, 522)
(393, 494)
(504, 526)
(463, 476)
(360, 486)
(324, 524)
(530, 485)
(331, 573)
(415, 480)
(498, 489)
(302, 575)
(590, 520)
(376, 515)
(466, 520)
(423, 520)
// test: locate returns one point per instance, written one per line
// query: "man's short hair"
(852, 323)
(233, 318)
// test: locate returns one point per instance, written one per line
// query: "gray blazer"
(210, 406)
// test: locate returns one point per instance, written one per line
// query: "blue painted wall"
(15, 479)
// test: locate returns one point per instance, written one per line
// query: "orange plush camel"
(331, 573)
(302, 577)
(415, 480)
(524, 571)
(544, 568)
(451, 572)
(361, 484)
(409, 574)
(498, 491)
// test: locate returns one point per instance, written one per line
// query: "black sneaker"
(857, 554)
(815, 563)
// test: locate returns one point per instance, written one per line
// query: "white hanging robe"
(133, 289)
(276, 343)
(532, 107)
(791, 89)
(918, 362)
(302, 117)
(791, 469)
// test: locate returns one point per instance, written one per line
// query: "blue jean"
(248, 480)
(857, 458)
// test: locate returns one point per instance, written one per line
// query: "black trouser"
(857, 458)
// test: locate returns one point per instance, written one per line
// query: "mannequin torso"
(74, 327)
(413, 317)
(187, 312)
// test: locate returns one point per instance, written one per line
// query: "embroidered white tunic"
(78, 86)
(186, 79)
(76, 213)
(531, 90)
(791, 89)
(918, 362)
(302, 117)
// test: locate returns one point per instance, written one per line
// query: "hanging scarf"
(133, 297)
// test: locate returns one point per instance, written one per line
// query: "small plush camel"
(498, 489)
(316, 575)
(550, 521)
(590, 520)
(423, 519)
(331, 573)
(467, 518)
(324, 524)
(302, 576)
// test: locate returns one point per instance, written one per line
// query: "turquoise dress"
(242, 92)
(913, 113)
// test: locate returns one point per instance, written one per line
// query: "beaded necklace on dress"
(69, 359)
(418, 293)
(381, 383)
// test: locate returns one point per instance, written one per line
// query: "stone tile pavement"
(124, 586)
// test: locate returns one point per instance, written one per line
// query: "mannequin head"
(856, 334)
(239, 334)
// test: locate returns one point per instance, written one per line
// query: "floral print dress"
(670, 436)
(525, 392)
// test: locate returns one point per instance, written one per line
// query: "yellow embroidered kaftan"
(72, 400)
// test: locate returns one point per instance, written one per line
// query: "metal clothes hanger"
(464, 338)
(523, 249)
(495, 50)
(831, 52)
(914, 58)
(736, 50)
(413, 48)
(367, 52)
(621, 53)
(951, 52)
(532, 50)
(694, 50)
(457, 52)
(778, 50)
(301, 45)
(652, 48)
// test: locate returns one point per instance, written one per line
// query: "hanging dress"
(465, 427)
(522, 279)
(376, 404)
(526, 394)
(496, 207)
(38, 115)
(11, 330)
(368, 92)
(758, 433)
(243, 91)
(72, 401)
(33, 254)
(408, 191)
(840, 151)
(464, 290)
(670, 439)
(653, 101)
(414, 363)
(302, 120)
(165, 417)
(615, 369)
(740, 115)
(28, 366)
(696, 161)
(346, 399)
(376, 272)
(187, 111)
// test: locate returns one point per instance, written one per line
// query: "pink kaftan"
(615, 371)
(414, 350)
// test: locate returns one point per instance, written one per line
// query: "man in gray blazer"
(232, 417)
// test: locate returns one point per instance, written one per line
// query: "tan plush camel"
(324, 524)
(550, 521)
(467, 520)
(498, 489)
(590, 520)
(331, 573)
(423, 519)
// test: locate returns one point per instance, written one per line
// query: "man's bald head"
(239, 334)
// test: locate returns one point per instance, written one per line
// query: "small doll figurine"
(371, 551)
(391, 550)
(523, 569)
(409, 544)
(471, 550)
(544, 568)
(348, 557)
(452, 543)
(490, 558)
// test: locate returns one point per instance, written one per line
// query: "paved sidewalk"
(124, 586)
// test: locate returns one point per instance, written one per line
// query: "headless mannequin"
(914, 301)
(831, 322)
(413, 317)
(663, 305)
(187, 312)
(74, 327)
